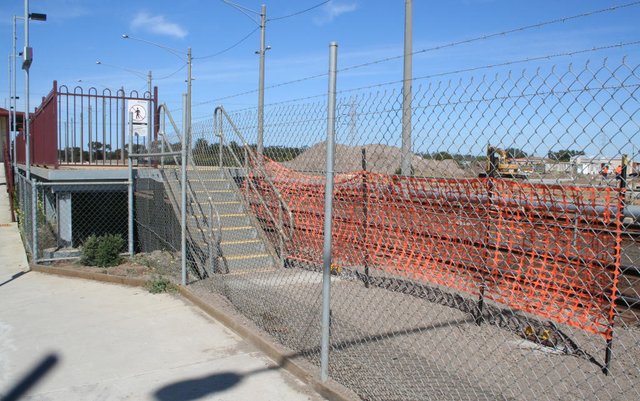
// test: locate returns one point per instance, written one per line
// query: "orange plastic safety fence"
(549, 250)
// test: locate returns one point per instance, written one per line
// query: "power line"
(496, 34)
(452, 44)
(268, 87)
(503, 64)
(230, 47)
(172, 74)
(299, 12)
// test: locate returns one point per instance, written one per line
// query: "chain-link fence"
(23, 209)
(502, 265)
(66, 213)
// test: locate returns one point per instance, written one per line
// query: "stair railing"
(283, 208)
(214, 240)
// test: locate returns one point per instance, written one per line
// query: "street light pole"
(14, 94)
(26, 118)
(27, 59)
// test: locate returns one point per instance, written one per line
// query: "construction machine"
(499, 164)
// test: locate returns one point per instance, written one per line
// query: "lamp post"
(263, 49)
(27, 59)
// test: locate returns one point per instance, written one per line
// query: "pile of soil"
(382, 159)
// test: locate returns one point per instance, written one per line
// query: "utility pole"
(263, 48)
(405, 166)
(263, 24)
(188, 127)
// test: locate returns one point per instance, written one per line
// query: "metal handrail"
(162, 109)
(283, 205)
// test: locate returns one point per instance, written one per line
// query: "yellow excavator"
(499, 165)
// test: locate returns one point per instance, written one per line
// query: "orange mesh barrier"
(552, 251)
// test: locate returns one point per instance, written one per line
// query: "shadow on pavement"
(194, 389)
(33, 377)
(15, 276)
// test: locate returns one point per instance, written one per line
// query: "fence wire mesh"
(23, 209)
(503, 265)
(56, 218)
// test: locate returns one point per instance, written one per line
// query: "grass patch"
(159, 284)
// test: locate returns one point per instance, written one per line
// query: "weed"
(159, 284)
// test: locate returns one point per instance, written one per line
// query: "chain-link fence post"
(328, 209)
(183, 196)
(34, 220)
(130, 186)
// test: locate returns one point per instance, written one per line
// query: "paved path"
(108, 342)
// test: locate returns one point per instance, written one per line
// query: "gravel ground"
(388, 345)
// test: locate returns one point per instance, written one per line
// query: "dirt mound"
(383, 159)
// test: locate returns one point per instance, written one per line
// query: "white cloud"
(157, 24)
(334, 9)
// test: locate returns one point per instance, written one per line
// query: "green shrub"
(159, 284)
(102, 251)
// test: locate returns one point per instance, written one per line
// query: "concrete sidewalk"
(120, 343)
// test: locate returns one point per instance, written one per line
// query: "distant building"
(591, 165)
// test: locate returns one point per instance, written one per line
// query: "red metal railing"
(44, 131)
(74, 127)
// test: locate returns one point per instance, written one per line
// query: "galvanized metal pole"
(405, 166)
(122, 125)
(328, 211)
(162, 137)
(130, 186)
(104, 131)
(10, 136)
(183, 195)
(82, 136)
(89, 126)
(26, 118)
(14, 96)
(149, 122)
(263, 24)
(34, 221)
(187, 132)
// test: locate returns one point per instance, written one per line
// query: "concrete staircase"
(243, 247)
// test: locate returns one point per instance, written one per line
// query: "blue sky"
(79, 32)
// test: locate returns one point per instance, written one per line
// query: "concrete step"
(249, 262)
(211, 184)
(240, 247)
(239, 233)
(236, 248)
(216, 195)
(227, 219)
(226, 207)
